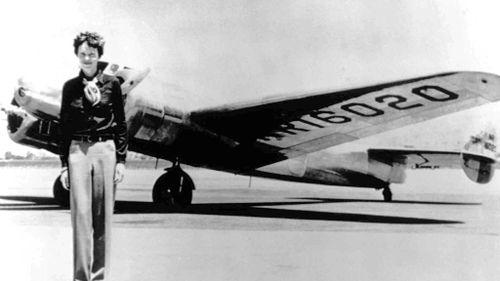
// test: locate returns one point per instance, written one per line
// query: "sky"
(226, 51)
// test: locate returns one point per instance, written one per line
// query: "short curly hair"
(93, 39)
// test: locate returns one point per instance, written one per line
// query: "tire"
(61, 195)
(167, 191)
(387, 195)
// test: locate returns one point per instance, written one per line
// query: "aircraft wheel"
(174, 189)
(61, 195)
(387, 194)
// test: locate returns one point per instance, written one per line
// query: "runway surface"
(440, 227)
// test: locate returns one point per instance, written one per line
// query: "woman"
(93, 148)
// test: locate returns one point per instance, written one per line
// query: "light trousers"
(91, 175)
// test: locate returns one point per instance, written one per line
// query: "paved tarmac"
(441, 226)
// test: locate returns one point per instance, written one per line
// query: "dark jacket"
(79, 117)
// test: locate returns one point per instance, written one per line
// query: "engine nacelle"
(26, 129)
(478, 168)
(153, 123)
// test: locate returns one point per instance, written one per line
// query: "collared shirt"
(79, 117)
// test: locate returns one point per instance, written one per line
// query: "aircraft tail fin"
(479, 156)
(484, 143)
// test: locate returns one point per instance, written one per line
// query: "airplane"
(291, 138)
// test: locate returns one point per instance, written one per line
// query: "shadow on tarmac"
(251, 209)
(30, 203)
(330, 200)
(259, 210)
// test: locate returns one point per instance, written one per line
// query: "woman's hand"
(64, 178)
(119, 172)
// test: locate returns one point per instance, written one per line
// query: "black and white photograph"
(249, 140)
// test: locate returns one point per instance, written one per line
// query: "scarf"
(92, 92)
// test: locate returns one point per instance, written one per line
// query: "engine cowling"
(478, 168)
(29, 130)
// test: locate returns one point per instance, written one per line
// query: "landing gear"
(174, 188)
(61, 195)
(387, 194)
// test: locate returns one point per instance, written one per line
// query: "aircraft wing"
(290, 127)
